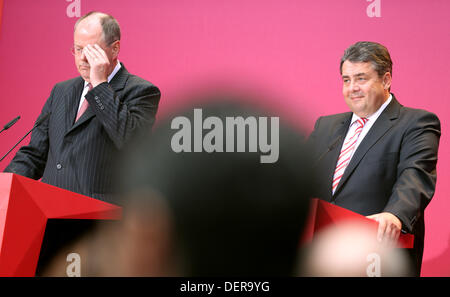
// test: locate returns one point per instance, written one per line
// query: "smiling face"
(363, 89)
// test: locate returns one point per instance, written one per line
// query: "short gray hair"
(110, 26)
(366, 51)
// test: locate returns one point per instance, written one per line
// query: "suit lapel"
(117, 83)
(72, 102)
(119, 80)
(383, 124)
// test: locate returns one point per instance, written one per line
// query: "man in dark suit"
(378, 160)
(91, 118)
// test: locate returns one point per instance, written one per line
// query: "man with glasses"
(91, 117)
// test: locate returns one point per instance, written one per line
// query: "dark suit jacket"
(393, 169)
(80, 156)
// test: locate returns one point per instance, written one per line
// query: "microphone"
(9, 125)
(38, 122)
(330, 148)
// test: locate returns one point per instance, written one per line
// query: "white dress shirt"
(371, 120)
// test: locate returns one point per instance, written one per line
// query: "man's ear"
(116, 48)
(387, 80)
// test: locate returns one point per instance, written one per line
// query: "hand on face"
(98, 62)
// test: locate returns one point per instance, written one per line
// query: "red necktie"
(346, 152)
(84, 105)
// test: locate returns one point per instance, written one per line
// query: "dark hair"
(366, 51)
(233, 215)
(110, 26)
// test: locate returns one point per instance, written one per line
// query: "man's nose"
(83, 56)
(354, 86)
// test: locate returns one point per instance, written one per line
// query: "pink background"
(288, 51)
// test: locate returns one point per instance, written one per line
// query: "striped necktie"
(347, 152)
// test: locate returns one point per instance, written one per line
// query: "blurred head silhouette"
(213, 211)
(219, 213)
(351, 249)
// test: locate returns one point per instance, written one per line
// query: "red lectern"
(323, 214)
(25, 207)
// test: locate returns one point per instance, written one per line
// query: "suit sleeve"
(30, 160)
(416, 171)
(312, 146)
(122, 119)
(312, 137)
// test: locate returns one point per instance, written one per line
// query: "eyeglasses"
(78, 51)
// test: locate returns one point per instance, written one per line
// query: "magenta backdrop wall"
(287, 50)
